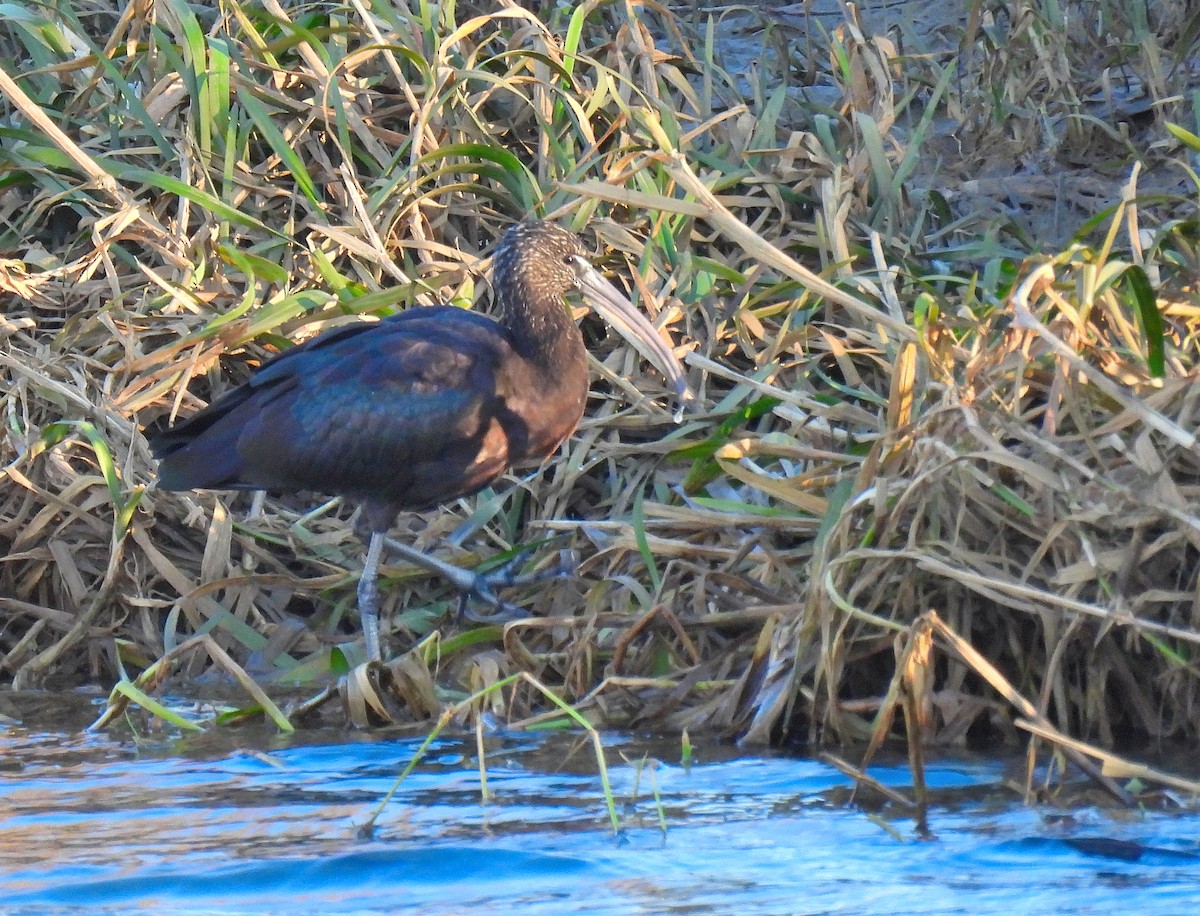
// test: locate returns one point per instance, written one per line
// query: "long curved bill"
(618, 311)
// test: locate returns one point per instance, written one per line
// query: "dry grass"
(939, 290)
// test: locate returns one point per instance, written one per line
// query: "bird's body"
(423, 407)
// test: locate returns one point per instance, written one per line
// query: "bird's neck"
(544, 333)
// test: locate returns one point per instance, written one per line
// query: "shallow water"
(99, 824)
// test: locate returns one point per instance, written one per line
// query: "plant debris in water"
(938, 280)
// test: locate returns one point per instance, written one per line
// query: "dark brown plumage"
(421, 408)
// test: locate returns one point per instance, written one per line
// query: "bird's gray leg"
(368, 597)
(483, 586)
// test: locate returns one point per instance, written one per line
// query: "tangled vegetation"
(936, 282)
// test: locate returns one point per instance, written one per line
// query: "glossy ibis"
(423, 407)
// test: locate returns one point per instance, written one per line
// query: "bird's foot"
(484, 586)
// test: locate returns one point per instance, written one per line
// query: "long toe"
(486, 585)
(506, 575)
(501, 611)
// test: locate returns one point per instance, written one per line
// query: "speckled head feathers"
(534, 262)
(535, 265)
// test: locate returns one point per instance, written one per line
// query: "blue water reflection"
(91, 824)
